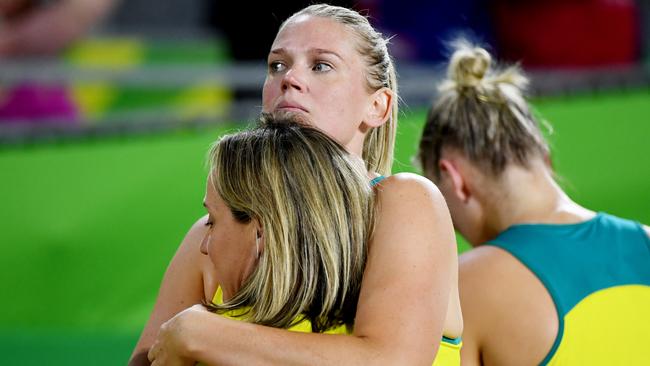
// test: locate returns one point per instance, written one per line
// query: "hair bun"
(468, 65)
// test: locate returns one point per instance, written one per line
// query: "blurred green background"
(88, 227)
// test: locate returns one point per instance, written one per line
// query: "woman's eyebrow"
(278, 51)
(322, 51)
(318, 51)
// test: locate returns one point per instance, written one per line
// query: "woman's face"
(316, 74)
(229, 243)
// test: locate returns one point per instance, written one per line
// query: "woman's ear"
(380, 108)
(449, 169)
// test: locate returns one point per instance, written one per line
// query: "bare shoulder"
(410, 190)
(505, 308)
(479, 272)
(483, 258)
(411, 205)
(407, 181)
(485, 275)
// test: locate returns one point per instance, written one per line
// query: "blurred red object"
(567, 33)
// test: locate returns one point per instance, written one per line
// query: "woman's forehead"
(211, 195)
(308, 33)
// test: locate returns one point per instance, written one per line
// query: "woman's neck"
(530, 195)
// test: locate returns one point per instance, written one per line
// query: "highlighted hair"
(316, 209)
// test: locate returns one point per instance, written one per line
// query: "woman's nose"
(204, 244)
(293, 80)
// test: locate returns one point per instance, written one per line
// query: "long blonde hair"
(315, 206)
(379, 145)
(482, 113)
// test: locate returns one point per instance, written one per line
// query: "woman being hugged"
(290, 215)
(330, 69)
(548, 281)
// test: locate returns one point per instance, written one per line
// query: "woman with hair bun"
(548, 281)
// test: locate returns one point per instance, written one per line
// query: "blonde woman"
(289, 214)
(549, 281)
(329, 68)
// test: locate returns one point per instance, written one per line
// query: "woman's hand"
(173, 344)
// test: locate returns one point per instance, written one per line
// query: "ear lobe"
(380, 108)
(459, 186)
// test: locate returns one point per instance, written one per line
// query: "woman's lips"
(291, 107)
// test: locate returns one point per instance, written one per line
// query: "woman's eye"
(209, 223)
(276, 66)
(321, 67)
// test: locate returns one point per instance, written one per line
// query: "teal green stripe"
(556, 344)
(376, 180)
(454, 341)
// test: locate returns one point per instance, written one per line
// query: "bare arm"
(510, 318)
(402, 305)
(182, 286)
(46, 29)
(471, 300)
